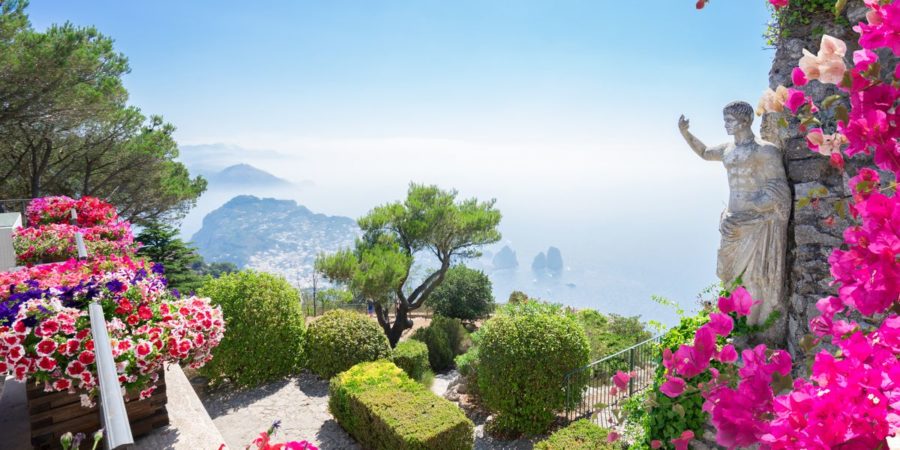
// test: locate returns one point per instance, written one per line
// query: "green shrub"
(465, 294)
(264, 328)
(412, 357)
(341, 339)
(579, 435)
(440, 355)
(524, 353)
(445, 338)
(608, 334)
(662, 421)
(383, 409)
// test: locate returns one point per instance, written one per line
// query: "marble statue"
(754, 225)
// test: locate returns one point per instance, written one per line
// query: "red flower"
(45, 347)
(47, 364)
(74, 368)
(145, 313)
(86, 357)
(62, 384)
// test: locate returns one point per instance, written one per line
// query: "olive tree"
(430, 221)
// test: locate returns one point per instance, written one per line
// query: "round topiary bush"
(412, 357)
(341, 339)
(523, 359)
(264, 328)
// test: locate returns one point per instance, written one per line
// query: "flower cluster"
(263, 442)
(91, 211)
(851, 399)
(49, 337)
(56, 242)
(45, 330)
(51, 238)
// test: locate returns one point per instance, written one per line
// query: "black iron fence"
(591, 392)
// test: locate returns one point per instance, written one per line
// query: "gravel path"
(301, 403)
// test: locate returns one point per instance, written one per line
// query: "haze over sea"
(562, 111)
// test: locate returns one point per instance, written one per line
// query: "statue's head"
(738, 116)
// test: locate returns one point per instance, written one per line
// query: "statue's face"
(733, 124)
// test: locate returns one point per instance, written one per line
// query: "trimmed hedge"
(383, 409)
(524, 354)
(465, 294)
(412, 357)
(264, 328)
(341, 339)
(579, 435)
(446, 338)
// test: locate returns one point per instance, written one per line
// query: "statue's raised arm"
(709, 154)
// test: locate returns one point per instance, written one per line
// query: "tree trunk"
(401, 324)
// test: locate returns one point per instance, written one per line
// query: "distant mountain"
(277, 236)
(246, 175)
(505, 259)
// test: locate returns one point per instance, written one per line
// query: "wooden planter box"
(52, 414)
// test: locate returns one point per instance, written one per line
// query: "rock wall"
(811, 237)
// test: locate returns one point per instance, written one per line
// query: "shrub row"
(384, 409)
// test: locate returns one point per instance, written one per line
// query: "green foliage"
(465, 294)
(383, 409)
(612, 333)
(412, 357)
(67, 129)
(467, 364)
(803, 18)
(665, 418)
(446, 338)
(517, 297)
(341, 339)
(524, 353)
(430, 220)
(264, 328)
(579, 435)
(162, 245)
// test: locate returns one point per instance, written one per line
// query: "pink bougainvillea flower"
(621, 379)
(721, 323)
(655, 444)
(827, 65)
(681, 443)
(673, 387)
(772, 101)
(795, 99)
(728, 354)
(742, 301)
(612, 436)
(798, 77)
(825, 144)
(778, 4)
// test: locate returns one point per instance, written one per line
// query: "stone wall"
(810, 238)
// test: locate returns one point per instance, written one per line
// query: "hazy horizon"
(565, 112)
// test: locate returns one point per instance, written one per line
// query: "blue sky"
(564, 111)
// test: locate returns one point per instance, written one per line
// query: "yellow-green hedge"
(580, 435)
(384, 409)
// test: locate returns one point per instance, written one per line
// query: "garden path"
(301, 403)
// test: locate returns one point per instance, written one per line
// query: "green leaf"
(678, 410)
(830, 100)
(840, 207)
(841, 113)
(803, 202)
(839, 7)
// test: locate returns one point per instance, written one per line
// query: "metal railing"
(589, 389)
(16, 205)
